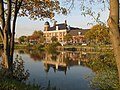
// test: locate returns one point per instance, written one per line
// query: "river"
(64, 70)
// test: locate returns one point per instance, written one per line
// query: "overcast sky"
(26, 27)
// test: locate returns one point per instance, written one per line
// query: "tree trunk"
(6, 33)
(6, 52)
(113, 23)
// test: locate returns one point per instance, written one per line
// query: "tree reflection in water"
(103, 64)
(36, 55)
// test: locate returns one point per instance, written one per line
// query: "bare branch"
(71, 3)
(19, 5)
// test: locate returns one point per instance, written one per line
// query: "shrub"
(39, 46)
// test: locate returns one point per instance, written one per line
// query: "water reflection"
(70, 67)
(34, 54)
(63, 60)
(58, 67)
(59, 61)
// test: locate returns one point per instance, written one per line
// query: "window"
(79, 33)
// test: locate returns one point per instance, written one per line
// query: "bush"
(15, 80)
(39, 46)
(51, 48)
(35, 46)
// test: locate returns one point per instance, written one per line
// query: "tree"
(113, 23)
(22, 39)
(98, 34)
(37, 36)
(11, 9)
(68, 37)
(54, 39)
(105, 69)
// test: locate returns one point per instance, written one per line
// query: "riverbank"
(76, 66)
(10, 84)
(85, 48)
(20, 46)
(68, 47)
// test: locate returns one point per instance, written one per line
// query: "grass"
(20, 46)
(11, 84)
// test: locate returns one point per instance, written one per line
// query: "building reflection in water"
(63, 61)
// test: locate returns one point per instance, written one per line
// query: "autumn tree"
(11, 9)
(37, 36)
(22, 39)
(98, 34)
(113, 22)
(67, 37)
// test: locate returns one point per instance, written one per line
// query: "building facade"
(60, 30)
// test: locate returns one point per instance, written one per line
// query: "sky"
(25, 26)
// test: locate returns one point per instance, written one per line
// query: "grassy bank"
(66, 48)
(20, 46)
(28, 46)
(10, 84)
(16, 79)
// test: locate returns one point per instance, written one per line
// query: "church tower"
(46, 26)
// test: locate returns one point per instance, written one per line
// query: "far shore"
(69, 47)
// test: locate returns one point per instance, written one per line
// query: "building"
(57, 30)
(60, 30)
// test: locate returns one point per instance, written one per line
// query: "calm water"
(65, 70)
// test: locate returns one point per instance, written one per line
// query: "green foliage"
(67, 37)
(54, 39)
(106, 80)
(39, 46)
(19, 72)
(101, 61)
(52, 47)
(98, 34)
(22, 39)
(16, 80)
(35, 47)
(20, 46)
(10, 84)
(36, 9)
(57, 44)
(106, 74)
(39, 9)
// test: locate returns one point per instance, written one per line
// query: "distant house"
(60, 30)
(78, 35)
(57, 30)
